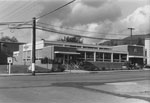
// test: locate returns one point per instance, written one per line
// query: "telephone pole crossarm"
(131, 29)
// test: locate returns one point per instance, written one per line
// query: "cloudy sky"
(103, 18)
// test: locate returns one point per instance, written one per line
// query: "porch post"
(103, 57)
(85, 56)
(94, 56)
(127, 57)
(120, 58)
(64, 59)
(112, 57)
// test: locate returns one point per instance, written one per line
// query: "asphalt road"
(66, 88)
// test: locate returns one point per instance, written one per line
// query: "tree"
(140, 41)
(8, 39)
(74, 39)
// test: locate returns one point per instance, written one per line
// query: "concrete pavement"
(102, 87)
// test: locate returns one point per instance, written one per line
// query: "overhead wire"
(18, 9)
(55, 9)
(60, 32)
(69, 28)
(4, 29)
(70, 34)
(26, 22)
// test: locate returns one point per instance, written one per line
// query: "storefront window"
(81, 56)
(115, 57)
(99, 56)
(90, 56)
(107, 57)
(123, 57)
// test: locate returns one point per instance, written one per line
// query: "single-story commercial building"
(49, 53)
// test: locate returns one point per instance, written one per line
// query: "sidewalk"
(68, 72)
(52, 73)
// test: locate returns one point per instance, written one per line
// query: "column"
(103, 57)
(63, 58)
(127, 57)
(94, 56)
(120, 58)
(85, 56)
(112, 57)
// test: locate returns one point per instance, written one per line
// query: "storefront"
(52, 52)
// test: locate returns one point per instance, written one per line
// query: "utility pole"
(131, 29)
(1, 34)
(33, 45)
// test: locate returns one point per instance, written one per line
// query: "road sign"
(9, 59)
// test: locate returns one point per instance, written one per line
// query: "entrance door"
(68, 58)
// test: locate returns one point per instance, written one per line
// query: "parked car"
(147, 67)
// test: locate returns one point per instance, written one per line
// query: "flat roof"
(76, 44)
(12, 42)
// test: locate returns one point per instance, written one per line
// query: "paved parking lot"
(104, 87)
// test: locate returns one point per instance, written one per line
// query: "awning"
(137, 57)
(64, 52)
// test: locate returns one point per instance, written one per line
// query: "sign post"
(9, 60)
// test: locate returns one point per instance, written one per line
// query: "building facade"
(53, 52)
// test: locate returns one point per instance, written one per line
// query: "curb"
(72, 72)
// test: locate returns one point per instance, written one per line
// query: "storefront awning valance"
(64, 52)
(137, 57)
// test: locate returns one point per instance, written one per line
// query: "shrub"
(89, 67)
(58, 68)
(103, 68)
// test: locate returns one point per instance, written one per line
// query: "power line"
(56, 9)
(8, 23)
(71, 34)
(4, 29)
(45, 14)
(14, 12)
(68, 28)
(64, 33)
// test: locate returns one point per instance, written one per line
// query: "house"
(7, 49)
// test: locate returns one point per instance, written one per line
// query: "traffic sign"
(9, 59)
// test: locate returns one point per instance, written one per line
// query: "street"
(99, 87)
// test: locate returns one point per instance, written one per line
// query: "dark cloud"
(81, 13)
(94, 3)
(52, 5)
(85, 15)
(84, 12)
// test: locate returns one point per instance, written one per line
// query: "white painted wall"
(28, 46)
(147, 47)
